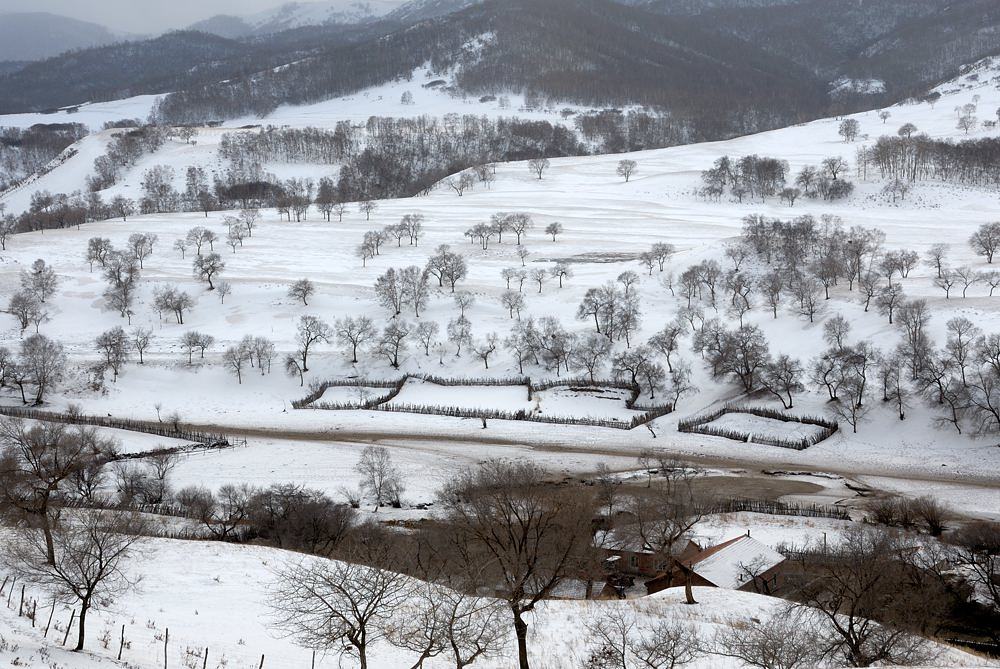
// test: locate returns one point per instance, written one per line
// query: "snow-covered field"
(216, 595)
(764, 427)
(602, 216)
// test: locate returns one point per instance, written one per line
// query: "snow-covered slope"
(216, 595)
(607, 224)
(297, 15)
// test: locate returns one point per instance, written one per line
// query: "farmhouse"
(627, 555)
(742, 563)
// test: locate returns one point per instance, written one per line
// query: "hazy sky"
(139, 16)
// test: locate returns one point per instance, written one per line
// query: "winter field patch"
(760, 426)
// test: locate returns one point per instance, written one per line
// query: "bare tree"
(502, 517)
(208, 267)
(311, 331)
(40, 281)
(367, 207)
(392, 342)
(43, 363)
(859, 581)
(781, 377)
(172, 300)
(115, 345)
(235, 357)
(338, 606)
(784, 640)
(967, 277)
(976, 548)
(889, 299)
(463, 301)
(554, 229)
(592, 352)
(459, 333)
(626, 168)
(485, 348)
(302, 290)
(426, 333)
(539, 276)
(379, 476)
(513, 302)
(354, 333)
(538, 166)
(935, 258)
(89, 565)
(986, 240)
(37, 461)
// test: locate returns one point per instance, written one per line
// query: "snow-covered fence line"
(98, 502)
(166, 430)
(317, 390)
(777, 508)
(700, 425)
(380, 403)
(498, 414)
(536, 387)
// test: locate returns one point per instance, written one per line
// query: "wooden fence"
(167, 430)
(380, 403)
(699, 424)
(777, 508)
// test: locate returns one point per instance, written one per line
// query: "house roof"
(732, 564)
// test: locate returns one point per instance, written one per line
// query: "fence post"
(51, 612)
(20, 607)
(261, 662)
(204, 663)
(69, 627)
(122, 644)
(166, 639)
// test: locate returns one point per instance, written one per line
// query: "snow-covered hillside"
(216, 595)
(607, 223)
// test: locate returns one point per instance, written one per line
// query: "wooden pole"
(4, 585)
(51, 612)
(69, 627)
(166, 639)
(20, 607)
(314, 660)
(34, 612)
(122, 644)
(11, 591)
(204, 663)
(261, 662)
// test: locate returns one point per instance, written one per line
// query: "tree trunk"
(81, 633)
(688, 593)
(521, 631)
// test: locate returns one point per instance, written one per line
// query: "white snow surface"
(604, 218)
(93, 114)
(216, 595)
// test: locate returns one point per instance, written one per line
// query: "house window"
(633, 561)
